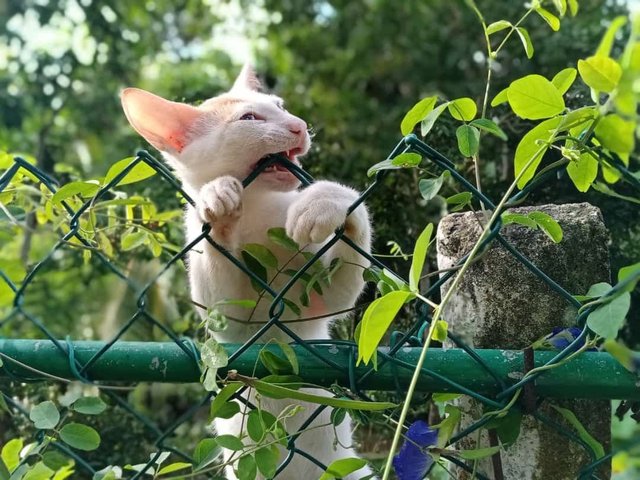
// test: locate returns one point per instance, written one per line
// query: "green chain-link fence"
(481, 374)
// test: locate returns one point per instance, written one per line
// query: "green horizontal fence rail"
(590, 375)
(486, 375)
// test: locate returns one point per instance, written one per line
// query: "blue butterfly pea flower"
(559, 339)
(413, 462)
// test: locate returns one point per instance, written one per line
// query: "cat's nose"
(297, 126)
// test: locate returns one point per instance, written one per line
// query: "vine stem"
(437, 312)
(491, 55)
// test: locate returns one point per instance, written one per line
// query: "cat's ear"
(164, 124)
(247, 79)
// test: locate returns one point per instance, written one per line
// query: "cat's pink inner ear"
(164, 124)
(247, 79)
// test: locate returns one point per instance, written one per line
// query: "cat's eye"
(248, 116)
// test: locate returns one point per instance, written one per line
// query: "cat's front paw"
(314, 222)
(220, 199)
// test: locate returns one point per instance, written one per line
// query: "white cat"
(212, 148)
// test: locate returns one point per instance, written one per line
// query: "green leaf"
(444, 397)
(338, 415)
(230, 442)
(267, 460)
(417, 113)
(45, 415)
(343, 467)
(608, 319)
(419, 256)
(376, 320)
(604, 49)
(158, 458)
(478, 453)
(585, 436)
(427, 124)
(20, 472)
(259, 423)
(140, 171)
(629, 271)
(83, 189)
(80, 436)
(624, 355)
(407, 160)
(507, 427)
(616, 134)
(291, 356)
(89, 405)
(577, 118)
(278, 235)
(247, 469)
(561, 6)
(228, 410)
(501, 97)
(518, 218)
(108, 473)
(548, 225)
(459, 200)
(598, 289)
(464, 109)
(274, 363)
(447, 426)
(173, 467)
(4, 471)
(498, 26)
(610, 174)
(573, 7)
(429, 187)
(206, 452)
(212, 356)
(278, 391)
(468, 140)
(404, 160)
(600, 73)
(532, 148)
(255, 429)
(293, 382)
(262, 254)
(583, 171)
(440, 331)
(11, 453)
(564, 79)
(603, 188)
(221, 399)
(525, 39)
(550, 18)
(14, 269)
(139, 467)
(534, 97)
(489, 126)
(39, 471)
(131, 240)
(292, 306)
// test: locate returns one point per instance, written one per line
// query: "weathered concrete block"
(501, 304)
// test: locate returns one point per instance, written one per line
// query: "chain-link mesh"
(392, 360)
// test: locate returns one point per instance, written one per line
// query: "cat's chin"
(278, 179)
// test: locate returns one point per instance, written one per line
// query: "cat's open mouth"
(278, 168)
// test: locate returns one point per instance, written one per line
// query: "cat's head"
(226, 135)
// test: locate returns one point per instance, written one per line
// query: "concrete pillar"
(501, 304)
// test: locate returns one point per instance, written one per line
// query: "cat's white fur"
(213, 147)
